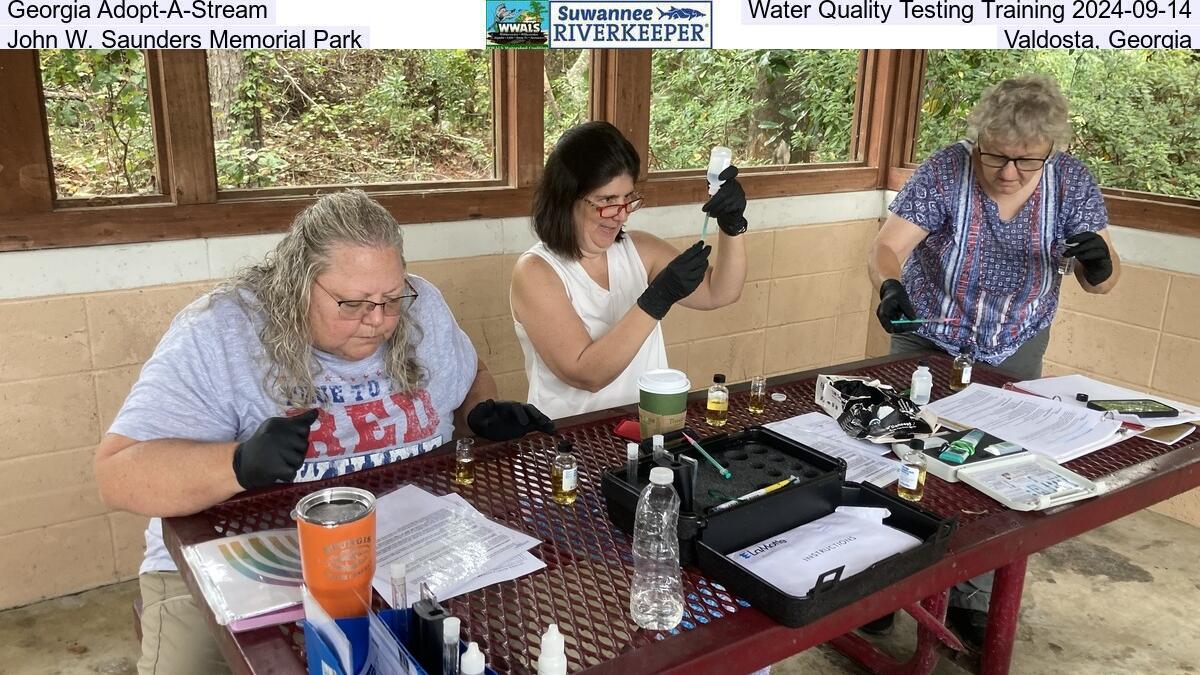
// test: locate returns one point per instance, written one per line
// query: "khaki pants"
(175, 638)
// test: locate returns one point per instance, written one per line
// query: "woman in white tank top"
(587, 299)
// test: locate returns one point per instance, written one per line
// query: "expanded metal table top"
(585, 585)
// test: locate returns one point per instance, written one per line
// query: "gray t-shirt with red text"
(205, 382)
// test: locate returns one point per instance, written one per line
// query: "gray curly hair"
(282, 286)
(1020, 110)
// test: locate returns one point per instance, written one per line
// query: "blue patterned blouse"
(996, 277)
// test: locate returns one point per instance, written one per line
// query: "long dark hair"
(586, 157)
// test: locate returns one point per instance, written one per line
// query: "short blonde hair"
(1020, 110)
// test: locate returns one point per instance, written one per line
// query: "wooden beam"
(26, 182)
(154, 92)
(625, 99)
(187, 123)
(161, 222)
(519, 115)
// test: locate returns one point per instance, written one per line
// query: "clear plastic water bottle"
(656, 598)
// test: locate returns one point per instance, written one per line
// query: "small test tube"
(450, 637)
(658, 445)
(399, 574)
(631, 459)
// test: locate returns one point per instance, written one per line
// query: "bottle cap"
(552, 653)
(718, 160)
(661, 475)
(552, 641)
(472, 660)
(657, 440)
(719, 378)
(399, 570)
(922, 363)
(1081, 398)
(631, 452)
(450, 627)
(564, 446)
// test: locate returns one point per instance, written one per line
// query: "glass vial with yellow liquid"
(911, 485)
(564, 475)
(758, 396)
(464, 461)
(716, 413)
(960, 370)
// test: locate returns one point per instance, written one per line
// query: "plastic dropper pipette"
(718, 160)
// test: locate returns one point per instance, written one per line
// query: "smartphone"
(1142, 407)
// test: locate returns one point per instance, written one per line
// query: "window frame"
(886, 111)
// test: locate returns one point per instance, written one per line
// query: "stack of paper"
(864, 460)
(446, 544)
(1052, 428)
(254, 580)
(1066, 387)
(792, 561)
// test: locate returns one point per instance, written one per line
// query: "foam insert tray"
(756, 456)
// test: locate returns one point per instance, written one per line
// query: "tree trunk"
(767, 90)
(225, 71)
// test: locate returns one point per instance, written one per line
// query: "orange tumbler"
(336, 528)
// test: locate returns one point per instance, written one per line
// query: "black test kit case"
(758, 457)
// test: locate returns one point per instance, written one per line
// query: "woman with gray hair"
(325, 359)
(973, 244)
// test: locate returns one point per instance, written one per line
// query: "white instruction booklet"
(792, 561)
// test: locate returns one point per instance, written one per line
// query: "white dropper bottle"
(552, 655)
(718, 160)
(472, 661)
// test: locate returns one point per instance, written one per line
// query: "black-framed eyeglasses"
(994, 161)
(357, 309)
(611, 210)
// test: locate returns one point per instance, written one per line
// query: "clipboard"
(1028, 481)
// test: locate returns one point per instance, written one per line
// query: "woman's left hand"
(1091, 252)
(728, 206)
(506, 420)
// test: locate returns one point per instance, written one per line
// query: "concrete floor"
(1121, 599)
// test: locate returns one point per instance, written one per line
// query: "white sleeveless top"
(600, 310)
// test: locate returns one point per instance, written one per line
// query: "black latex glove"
(506, 420)
(894, 304)
(275, 452)
(677, 281)
(1091, 252)
(728, 206)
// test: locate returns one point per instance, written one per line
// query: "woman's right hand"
(894, 305)
(678, 279)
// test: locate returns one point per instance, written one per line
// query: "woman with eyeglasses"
(587, 299)
(974, 241)
(327, 358)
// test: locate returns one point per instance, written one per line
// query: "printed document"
(793, 561)
(442, 543)
(1065, 387)
(864, 460)
(1044, 426)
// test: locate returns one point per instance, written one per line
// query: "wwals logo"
(515, 24)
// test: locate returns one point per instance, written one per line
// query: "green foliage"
(98, 113)
(1134, 111)
(768, 106)
(345, 117)
(568, 72)
(330, 117)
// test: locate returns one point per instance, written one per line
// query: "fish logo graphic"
(678, 13)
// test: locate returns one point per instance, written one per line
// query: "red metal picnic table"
(585, 585)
